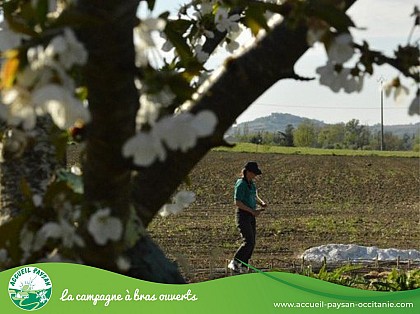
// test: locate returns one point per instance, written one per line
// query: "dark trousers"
(246, 224)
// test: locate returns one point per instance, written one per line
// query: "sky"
(386, 24)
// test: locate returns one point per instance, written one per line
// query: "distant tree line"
(350, 135)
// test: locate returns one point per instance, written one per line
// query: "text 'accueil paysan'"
(30, 288)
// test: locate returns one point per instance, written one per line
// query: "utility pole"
(381, 80)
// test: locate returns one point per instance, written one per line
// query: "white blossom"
(143, 39)
(152, 103)
(201, 55)
(206, 6)
(354, 83)
(176, 132)
(184, 198)
(37, 200)
(63, 52)
(232, 45)
(20, 107)
(164, 97)
(145, 148)
(8, 38)
(341, 49)
(273, 18)
(41, 62)
(337, 80)
(169, 209)
(37, 58)
(329, 77)
(226, 23)
(3, 256)
(103, 227)
(208, 34)
(17, 108)
(67, 49)
(143, 32)
(148, 111)
(26, 240)
(415, 69)
(204, 123)
(76, 170)
(180, 201)
(28, 77)
(62, 230)
(64, 108)
(123, 263)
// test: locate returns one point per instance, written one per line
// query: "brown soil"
(313, 200)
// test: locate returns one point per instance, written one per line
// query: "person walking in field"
(246, 199)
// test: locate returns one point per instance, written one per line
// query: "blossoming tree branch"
(138, 93)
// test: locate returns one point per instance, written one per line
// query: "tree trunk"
(36, 166)
(113, 103)
(113, 99)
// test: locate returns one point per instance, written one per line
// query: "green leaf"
(255, 19)
(180, 26)
(181, 87)
(332, 15)
(10, 236)
(18, 26)
(71, 180)
(174, 34)
(165, 15)
(59, 139)
(151, 4)
(41, 10)
(134, 229)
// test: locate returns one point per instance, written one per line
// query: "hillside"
(273, 123)
(398, 130)
(279, 121)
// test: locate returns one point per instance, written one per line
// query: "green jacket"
(245, 193)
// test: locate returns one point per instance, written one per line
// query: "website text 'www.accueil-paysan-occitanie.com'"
(343, 305)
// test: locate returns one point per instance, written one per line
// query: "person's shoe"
(234, 266)
(243, 270)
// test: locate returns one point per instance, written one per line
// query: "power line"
(325, 107)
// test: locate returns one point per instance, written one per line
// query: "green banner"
(70, 288)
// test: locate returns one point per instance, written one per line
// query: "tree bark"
(151, 264)
(113, 98)
(36, 167)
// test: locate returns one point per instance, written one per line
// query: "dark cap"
(253, 167)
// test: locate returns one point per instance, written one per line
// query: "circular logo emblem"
(30, 288)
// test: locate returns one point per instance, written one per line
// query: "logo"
(30, 288)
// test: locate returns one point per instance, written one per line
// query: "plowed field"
(313, 200)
